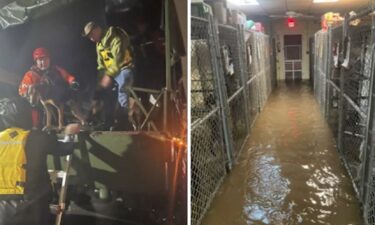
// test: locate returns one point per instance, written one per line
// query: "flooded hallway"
(289, 171)
(282, 117)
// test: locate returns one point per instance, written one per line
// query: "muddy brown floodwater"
(289, 171)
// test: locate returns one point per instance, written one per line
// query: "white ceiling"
(269, 7)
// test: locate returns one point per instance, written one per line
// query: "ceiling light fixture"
(244, 2)
(324, 1)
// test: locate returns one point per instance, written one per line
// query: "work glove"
(74, 86)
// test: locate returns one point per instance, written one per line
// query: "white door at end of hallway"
(293, 57)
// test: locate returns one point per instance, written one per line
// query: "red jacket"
(33, 77)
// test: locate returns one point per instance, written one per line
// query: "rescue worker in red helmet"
(25, 187)
(42, 65)
(43, 72)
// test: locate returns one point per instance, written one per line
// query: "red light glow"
(291, 22)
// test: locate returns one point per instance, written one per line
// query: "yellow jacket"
(114, 51)
(12, 161)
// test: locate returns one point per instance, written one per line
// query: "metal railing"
(230, 82)
(343, 85)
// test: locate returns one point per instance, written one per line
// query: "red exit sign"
(291, 22)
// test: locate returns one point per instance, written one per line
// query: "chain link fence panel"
(232, 66)
(230, 83)
(207, 143)
(356, 95)
(320, 68)
(252, 79)
(334, 46)
(349, 107)
(356, 77)
(259, 55)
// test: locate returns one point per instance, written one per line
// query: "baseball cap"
(88, 28)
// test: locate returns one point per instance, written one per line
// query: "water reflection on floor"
(289, 171)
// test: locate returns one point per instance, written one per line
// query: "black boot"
(122, 122)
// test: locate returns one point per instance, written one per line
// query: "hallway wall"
(307, 29)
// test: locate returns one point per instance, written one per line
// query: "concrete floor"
(289, 171)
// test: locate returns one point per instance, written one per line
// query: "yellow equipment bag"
(12, 161)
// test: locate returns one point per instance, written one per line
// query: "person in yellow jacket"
(114, 58)
(25, 187)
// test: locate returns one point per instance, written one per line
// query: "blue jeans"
(124, 79)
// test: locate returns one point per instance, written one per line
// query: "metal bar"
(342, 86)
(144, 111)
(292, 60)
(368, 156)
(199, 18)
(327, 72)
(228, 27)
(172, 195)
(334, 85)
(229, 100)
(354, 105)
(368, 164)
(151, 110)
(165, 110)
(251, 80)
(64, 189)
(361, 14)
(354, 134)
(259, 103)
(350, 175)
(168, 80)
(241, 52)
(147, 90)
(206, 117)
(217, 70)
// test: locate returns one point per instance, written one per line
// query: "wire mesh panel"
(369, 179)
(231, 61)
(268, 65)
(260, 68)
(251, 66)
(334, 44)
(370, 200)
(251, 93)
(356, 95)
(328, 45)
(207, 146)
(264, 57)
(332, 103)
(355, 76)
(320, 69)
(258, 48)
(250, 54)
(336, 47)
(353, 140)
(230, 82)
(273, 72)
(230, 52)
(261, 77)
(368, 159)
(350, 109)
(253, 106)
(366, 103)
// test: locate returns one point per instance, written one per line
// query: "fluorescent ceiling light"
(324, 1)
(244, 2)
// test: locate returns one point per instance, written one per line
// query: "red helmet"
(39, 53)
